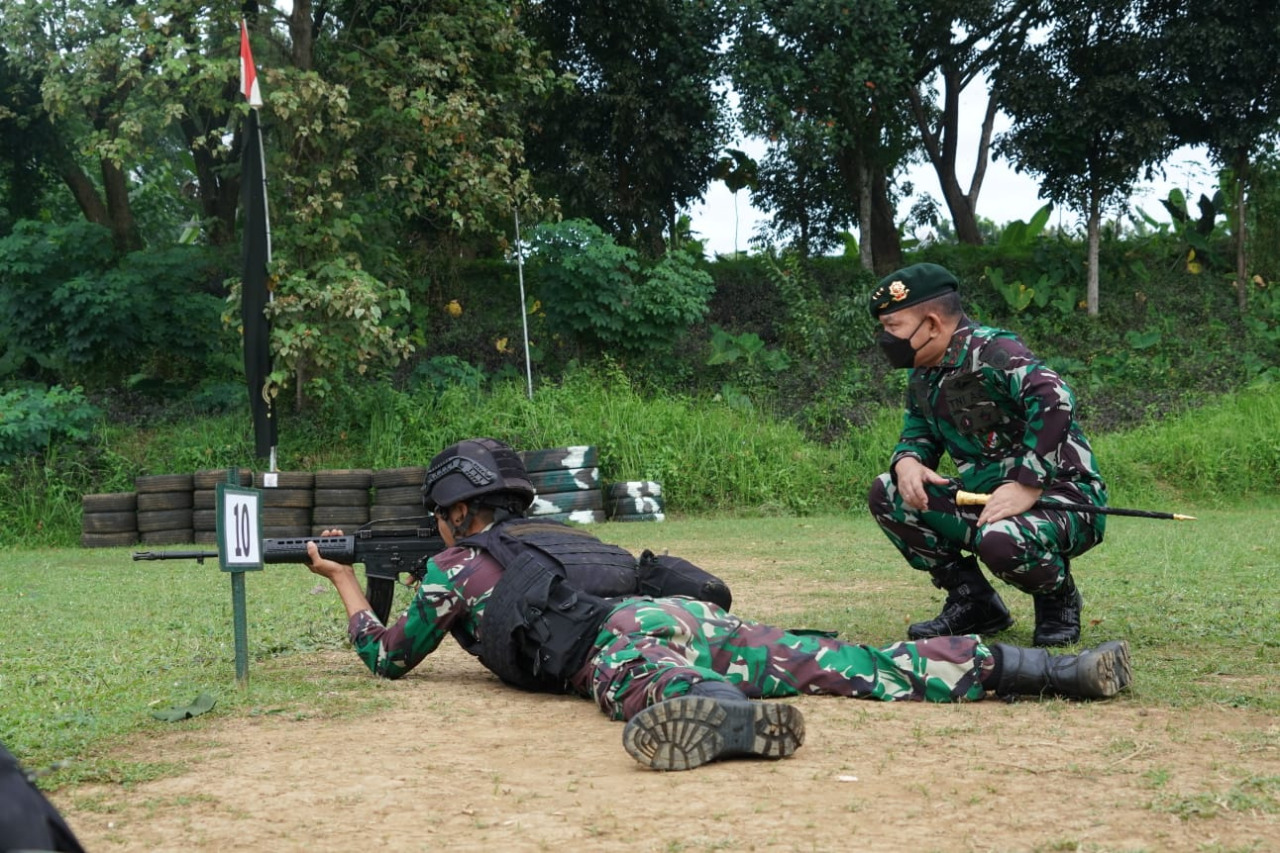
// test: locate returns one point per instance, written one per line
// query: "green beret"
(909, 286)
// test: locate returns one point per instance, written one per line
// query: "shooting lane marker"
(239, 520)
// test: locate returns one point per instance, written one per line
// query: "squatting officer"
(549, 607)
(1008, 423)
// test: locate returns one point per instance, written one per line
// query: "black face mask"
(899, 351)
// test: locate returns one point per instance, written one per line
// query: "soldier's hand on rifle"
(1009, 500)
(342, 576)
(325, 567)
(912, 476)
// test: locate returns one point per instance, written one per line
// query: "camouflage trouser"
(649, 650)
(1028, 551)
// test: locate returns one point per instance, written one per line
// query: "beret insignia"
(911, 286)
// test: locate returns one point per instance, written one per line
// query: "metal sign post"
(239, 529)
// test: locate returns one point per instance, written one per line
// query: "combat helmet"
(473, 468)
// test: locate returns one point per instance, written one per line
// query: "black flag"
(257, 254)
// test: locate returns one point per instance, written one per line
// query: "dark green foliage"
(34, 419)
(636, 135)
(71, 310)
(1086, 113)
(603, 296)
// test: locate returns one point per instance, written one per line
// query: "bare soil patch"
(460, 762)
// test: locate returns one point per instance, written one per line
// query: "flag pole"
(271, 296)
(255, 293)
(524, 312)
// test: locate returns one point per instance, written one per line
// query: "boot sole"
(1121, 669)
(1111, 671)
(689, 731)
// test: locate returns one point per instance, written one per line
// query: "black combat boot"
(972, 605)
(1097, 673)
(712, 721)
(1058, 614)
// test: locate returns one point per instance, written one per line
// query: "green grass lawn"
(91, 642)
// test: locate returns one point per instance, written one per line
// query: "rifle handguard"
(340, 549)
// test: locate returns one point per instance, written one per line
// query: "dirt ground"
(471, 765)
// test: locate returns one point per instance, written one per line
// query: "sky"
(725, 222)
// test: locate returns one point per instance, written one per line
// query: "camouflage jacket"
(1000, 414)
(451, 597)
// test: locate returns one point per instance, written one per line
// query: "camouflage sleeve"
(390, 652)
(1049, 411)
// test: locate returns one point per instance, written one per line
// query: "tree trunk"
(84, 192)
(885, 246)
(1242, 263)
(940, 145)
(124, 230)
(302, 32)
(218, 192)
(1091, 288)
(866, 254)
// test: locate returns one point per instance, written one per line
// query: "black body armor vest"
(541, 620)
(558, 585)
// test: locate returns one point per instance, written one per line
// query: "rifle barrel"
(964, 498)
(175, 555)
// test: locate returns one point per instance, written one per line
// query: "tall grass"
(710, 457)
(1215, 456)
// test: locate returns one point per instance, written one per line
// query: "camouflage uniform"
(1002, 416)
(649, 650)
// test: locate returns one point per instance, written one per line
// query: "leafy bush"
(601, 295)
(71, 310)
(34, 419)
(328, 320)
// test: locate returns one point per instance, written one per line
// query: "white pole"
(524, 312)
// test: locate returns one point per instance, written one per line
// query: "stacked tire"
(109, 520)
(635, 500)
(204, 501)
(566, 483)
(341, 500)
(164, 509)
(287, 498)
(397, 495)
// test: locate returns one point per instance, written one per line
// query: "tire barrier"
(559, 458)
(342, 500)
(581, 516)
(109, 520)
(204, 499)
(566, 482)
(164, 508)
(397, 494)
(556, 502)
(636, 500)
(634, 489)
(287, 498)
(177, 509)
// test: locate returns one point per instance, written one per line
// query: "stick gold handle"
(971, 499)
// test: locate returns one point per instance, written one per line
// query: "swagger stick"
(974, 499)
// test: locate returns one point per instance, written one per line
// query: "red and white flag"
(248, 74)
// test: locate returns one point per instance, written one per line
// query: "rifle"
(385, 554)
(964, 498)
